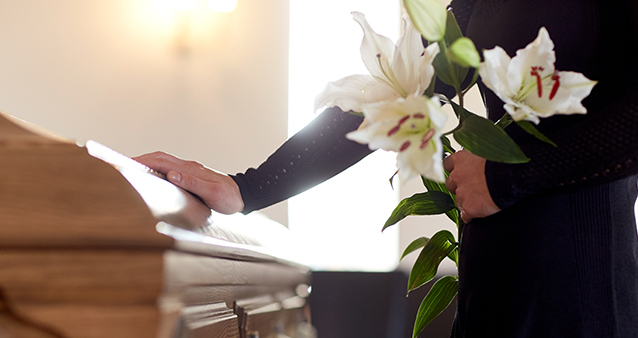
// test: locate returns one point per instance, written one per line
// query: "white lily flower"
(530, 86)
(396, 71)
(412, 128)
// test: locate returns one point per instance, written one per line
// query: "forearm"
(313, 155)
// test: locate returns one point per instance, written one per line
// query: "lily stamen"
(556, 79)
(529, 85)
(539, 82)
(396, 128)
(390, 78)
(404, 146)
(426, 138)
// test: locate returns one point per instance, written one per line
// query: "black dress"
(561, 259)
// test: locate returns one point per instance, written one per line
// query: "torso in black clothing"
(562, 263)
(554, 265)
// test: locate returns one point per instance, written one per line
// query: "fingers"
(466, 219)
(169, 164)
(186, 182)
(159, 161)
(451, 185)
(459, 205)
(467, 182)
(163, 162)
(466, 215)
(448, 163)
(218, 191)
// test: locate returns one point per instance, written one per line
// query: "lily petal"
(427, 69)
(352, 92)
(412, 128)
(520, 111)
(493, 72)
(574, 87)
(376, 50)
(412, 72)
(539, 53)
(409, 48)
(426, 162)
(529, 85)
(415, 162)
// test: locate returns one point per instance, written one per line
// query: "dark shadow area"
(370, 305)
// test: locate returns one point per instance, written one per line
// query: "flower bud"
(428, 16)
(463, 52)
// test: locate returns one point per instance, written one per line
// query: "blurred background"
(223, 82)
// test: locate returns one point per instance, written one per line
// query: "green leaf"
(447, 146)
(428, 203)
(504, 121)
(452, 29)
(454, 215)
(529, 128)
(392, 179)
(421, 242)
(428, 16)
(429, 92)
(454, 256)
(426, 265)
(463, 52)
(449, 72)
(415, 245)
(437, 300)
(436, 186)
(461, 112)
(482, 138)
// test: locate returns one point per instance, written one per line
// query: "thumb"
(184, 181)
(174, 177)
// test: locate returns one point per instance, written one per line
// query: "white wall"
(128, 74)
(138, 76)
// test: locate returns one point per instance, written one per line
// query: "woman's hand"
(467, 182)
(217, 190)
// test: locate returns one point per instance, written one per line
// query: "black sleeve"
(462, 10)
(598, 150)
(313, 155)
(600, 147)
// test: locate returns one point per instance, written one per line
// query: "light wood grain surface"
(81, 256)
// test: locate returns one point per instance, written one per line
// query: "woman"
(550, 248)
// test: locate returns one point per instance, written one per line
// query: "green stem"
(474, 80)
(504, 121)
(457, 86)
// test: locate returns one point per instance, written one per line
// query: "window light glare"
(223, 6)
(183, 5)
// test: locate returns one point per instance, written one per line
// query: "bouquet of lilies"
(402, 113)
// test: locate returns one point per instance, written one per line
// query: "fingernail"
(175, 177)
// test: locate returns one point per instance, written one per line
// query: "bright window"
(340, 220)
